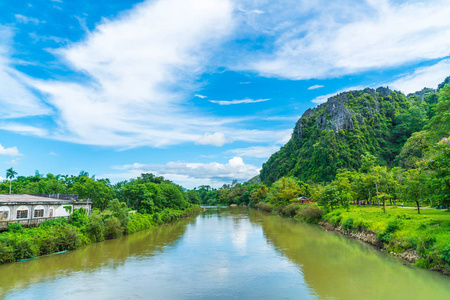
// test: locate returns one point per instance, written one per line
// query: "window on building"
(22, 214)
(4, 215)
(50, 214)
(38, 213)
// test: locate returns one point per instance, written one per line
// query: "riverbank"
(58, 235)
(422, 240)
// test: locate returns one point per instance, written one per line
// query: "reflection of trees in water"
(111, 253)
(338, 267)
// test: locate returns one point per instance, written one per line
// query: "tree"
(10, 174)
(440, 165)
(412, 186)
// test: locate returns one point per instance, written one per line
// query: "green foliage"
(79, 218)
(445, 256)
(348, 224)
(15, 227)
(310, 213)
(113, 228)
(95, 229)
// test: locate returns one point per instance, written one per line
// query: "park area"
(402, 229)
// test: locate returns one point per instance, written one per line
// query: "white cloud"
(142, 68)
(343, 37)
(12, 151)
(16, 99)
(193, 174)
(53, 153)
(13, 162)
(314, 87)
(428, 77)
(215, 139)
(255, 151)
(243, 101)
(200, 96)
(25, 20)
(24, 129)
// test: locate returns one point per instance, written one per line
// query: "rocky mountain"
(335, 134)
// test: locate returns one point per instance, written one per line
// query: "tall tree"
(10, 174)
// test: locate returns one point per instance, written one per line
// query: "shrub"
(79, 218)
(113, 228)
(6, 253)
(290, 210)
(54, 222)
(264, 206)
(311, 213)
(348, 224)
(24, 248)
(95, 229)
(15, 227)
(445, 255)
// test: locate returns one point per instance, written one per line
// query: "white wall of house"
(9, 212)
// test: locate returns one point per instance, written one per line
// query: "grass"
(402, 229)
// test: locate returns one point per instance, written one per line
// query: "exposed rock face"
(334, 114)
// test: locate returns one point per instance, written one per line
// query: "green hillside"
(335, 134)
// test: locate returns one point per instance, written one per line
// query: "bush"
(386, 235)
(15, 227)
(95, 229)
(24, 248)
(348, 224)
(6, 253)
(311, 213)
(290, 210)
(54, 222)
(264, 206)
(445, 255)
(113, 228)
(79, 218)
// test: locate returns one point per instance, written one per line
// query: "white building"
(34, 208)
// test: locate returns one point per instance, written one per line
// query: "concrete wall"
(58, 210)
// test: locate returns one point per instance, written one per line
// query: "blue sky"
(200, 91)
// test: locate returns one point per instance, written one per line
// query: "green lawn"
(401, 229)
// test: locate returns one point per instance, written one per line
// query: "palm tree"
(10, 174)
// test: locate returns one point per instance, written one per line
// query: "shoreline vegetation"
(62, 235)
(117, 209)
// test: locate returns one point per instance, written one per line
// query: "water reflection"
(106, 255)
(340, 268)
(223, 254)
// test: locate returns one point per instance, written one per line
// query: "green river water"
(224, 253)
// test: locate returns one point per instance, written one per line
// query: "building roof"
(29, 199)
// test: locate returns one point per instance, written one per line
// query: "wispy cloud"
(428, 77)
(243, 101)
(255, 151)
(347, 37)
(12, 151)
(25, 20)
(142, 67)
(194, 174)
(24, 129)
(200, 96)
(315, 87)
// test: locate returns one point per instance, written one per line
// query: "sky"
(201, 91)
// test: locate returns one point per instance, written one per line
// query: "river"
(224, 253)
